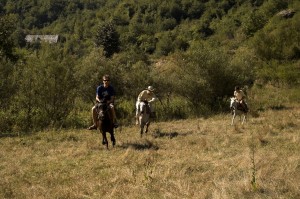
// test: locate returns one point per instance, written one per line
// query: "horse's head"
(232, 103)
(102, 109)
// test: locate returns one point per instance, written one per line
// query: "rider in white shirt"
(146, 95)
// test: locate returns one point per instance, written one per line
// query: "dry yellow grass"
(200, 158)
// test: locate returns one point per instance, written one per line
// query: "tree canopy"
(194, 52)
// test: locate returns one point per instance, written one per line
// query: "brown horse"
(105, 122)
(144, 117)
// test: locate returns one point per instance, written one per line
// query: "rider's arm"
(154, 98)
(97, 98)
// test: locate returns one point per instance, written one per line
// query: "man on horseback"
(146, 95)
(240, 97)
(105, 92)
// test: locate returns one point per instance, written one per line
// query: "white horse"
(236, 111)
(144, 117)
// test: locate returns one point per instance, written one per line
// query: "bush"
(6, 122)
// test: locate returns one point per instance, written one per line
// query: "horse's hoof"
(103, 142)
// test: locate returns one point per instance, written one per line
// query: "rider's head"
(237, 88)
(105, 79)
(150, 88)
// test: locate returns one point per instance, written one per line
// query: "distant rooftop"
(45, 38)
(287, 13)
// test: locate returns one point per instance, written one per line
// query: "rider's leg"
(152, 110)
(112, 108)
(94, 114)
(244, 105)
(137, 112)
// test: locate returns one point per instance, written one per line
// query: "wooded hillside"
(193, 52)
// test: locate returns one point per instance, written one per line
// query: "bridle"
(102, 109)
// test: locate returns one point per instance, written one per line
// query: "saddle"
(146, 102)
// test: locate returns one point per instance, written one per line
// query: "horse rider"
(240, 97)
(105, 92)
(146, 95)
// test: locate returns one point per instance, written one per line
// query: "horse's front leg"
(112, 138)
(147, 126)
(244, 119)
(104, 139)
(233, 117)
(141, 130)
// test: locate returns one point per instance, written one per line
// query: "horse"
(237, 110)
(105, 123)
(144, 117)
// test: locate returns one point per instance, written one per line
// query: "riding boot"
(93, 127)
(114, 118)
(95, 118)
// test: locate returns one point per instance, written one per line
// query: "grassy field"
(199, 158)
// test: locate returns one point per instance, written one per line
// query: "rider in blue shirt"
(105, 92)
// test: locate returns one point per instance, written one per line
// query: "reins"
(104, 111)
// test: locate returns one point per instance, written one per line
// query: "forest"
(193, 52)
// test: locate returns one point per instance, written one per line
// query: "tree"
(89, 73)
(7, 26)
(108, 38)
(46, 94)
(7, 84)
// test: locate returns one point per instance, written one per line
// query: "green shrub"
(6, 122)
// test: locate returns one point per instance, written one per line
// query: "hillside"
(194, 158)
(193, 52)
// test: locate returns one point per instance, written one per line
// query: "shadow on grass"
(9, 135)
(274, 107)
(158, 134)
(143, 145)
(170, 135)
(279, 107)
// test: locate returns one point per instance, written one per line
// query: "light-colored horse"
(237, 112)
(144, 117)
